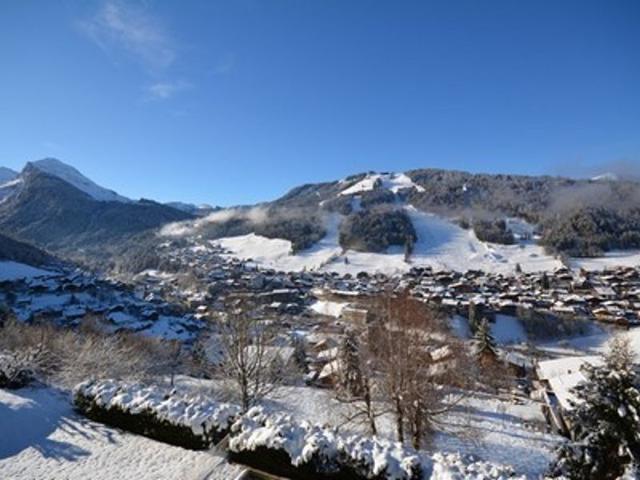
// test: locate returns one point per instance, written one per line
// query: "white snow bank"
(303, 442)
(10, 271)
(370, 456)
(197, 413)
(43, 438)
(455, 467)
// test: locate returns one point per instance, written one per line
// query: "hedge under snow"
(368, 457)
(16, 370)
(138, 407)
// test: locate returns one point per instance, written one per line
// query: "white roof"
(549, 369)
(562, 385)
(330, 369)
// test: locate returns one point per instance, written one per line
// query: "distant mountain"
(199, 210)
(6, 175)
(72, 176)
(53, 206)
(577, 217)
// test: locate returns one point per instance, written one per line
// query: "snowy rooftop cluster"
(199, 414)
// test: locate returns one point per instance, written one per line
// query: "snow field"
(42, 438)
(441, 245)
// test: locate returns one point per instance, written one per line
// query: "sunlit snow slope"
(441, 244)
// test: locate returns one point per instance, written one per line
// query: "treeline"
(376, 229)
(591, 231)
(494, 231)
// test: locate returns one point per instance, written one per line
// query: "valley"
(173, 285)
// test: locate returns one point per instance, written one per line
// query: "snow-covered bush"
(277, 444)
(17, 369)
(456, 467)
(165, 415)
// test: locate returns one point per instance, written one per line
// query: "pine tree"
(483, 342)
(473, 317)
(350, 371)
(604, 421)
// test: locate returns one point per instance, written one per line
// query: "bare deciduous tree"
(420, 368)
(252, 364)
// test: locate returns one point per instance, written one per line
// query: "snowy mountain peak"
(7, 175)
(55, 167)
(390, 181)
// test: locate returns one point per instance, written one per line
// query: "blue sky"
(236, 102)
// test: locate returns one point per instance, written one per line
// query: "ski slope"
(441, 245)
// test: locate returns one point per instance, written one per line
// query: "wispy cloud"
(165, 90)
(119, 26)
(226, 64)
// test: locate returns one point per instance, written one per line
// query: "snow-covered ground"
(441, 244)
(508, 329)
(42, 438)
(616, 258)
(593, 344)
(487, 427)
(14, 271)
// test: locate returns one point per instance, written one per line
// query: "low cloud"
(254, 215)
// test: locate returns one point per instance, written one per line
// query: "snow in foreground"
(486, 427)
(42, 438)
